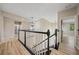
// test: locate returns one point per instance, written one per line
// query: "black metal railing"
(43, 41)
(47, 39)
(47, 33)
(56, 43)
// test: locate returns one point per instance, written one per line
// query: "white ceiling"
(36, 10)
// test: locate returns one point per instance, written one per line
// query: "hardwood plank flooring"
(67, 46)
(56, 52)
(13, 47)
(68, 50)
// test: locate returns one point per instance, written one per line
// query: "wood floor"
(67, 46)
(12, 47)
(56, 52)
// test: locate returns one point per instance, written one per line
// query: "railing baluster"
(18, 34)
(24, 38)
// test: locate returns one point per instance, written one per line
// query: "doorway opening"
(68, 31)
(68, 35)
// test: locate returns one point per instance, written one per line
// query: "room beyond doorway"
(68, 35)
(68, 31)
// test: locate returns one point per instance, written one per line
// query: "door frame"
(75, 18)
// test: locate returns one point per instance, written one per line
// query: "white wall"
(7, 25)
(1, 27)
(9, 28)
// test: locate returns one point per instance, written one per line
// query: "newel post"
(48, 34)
